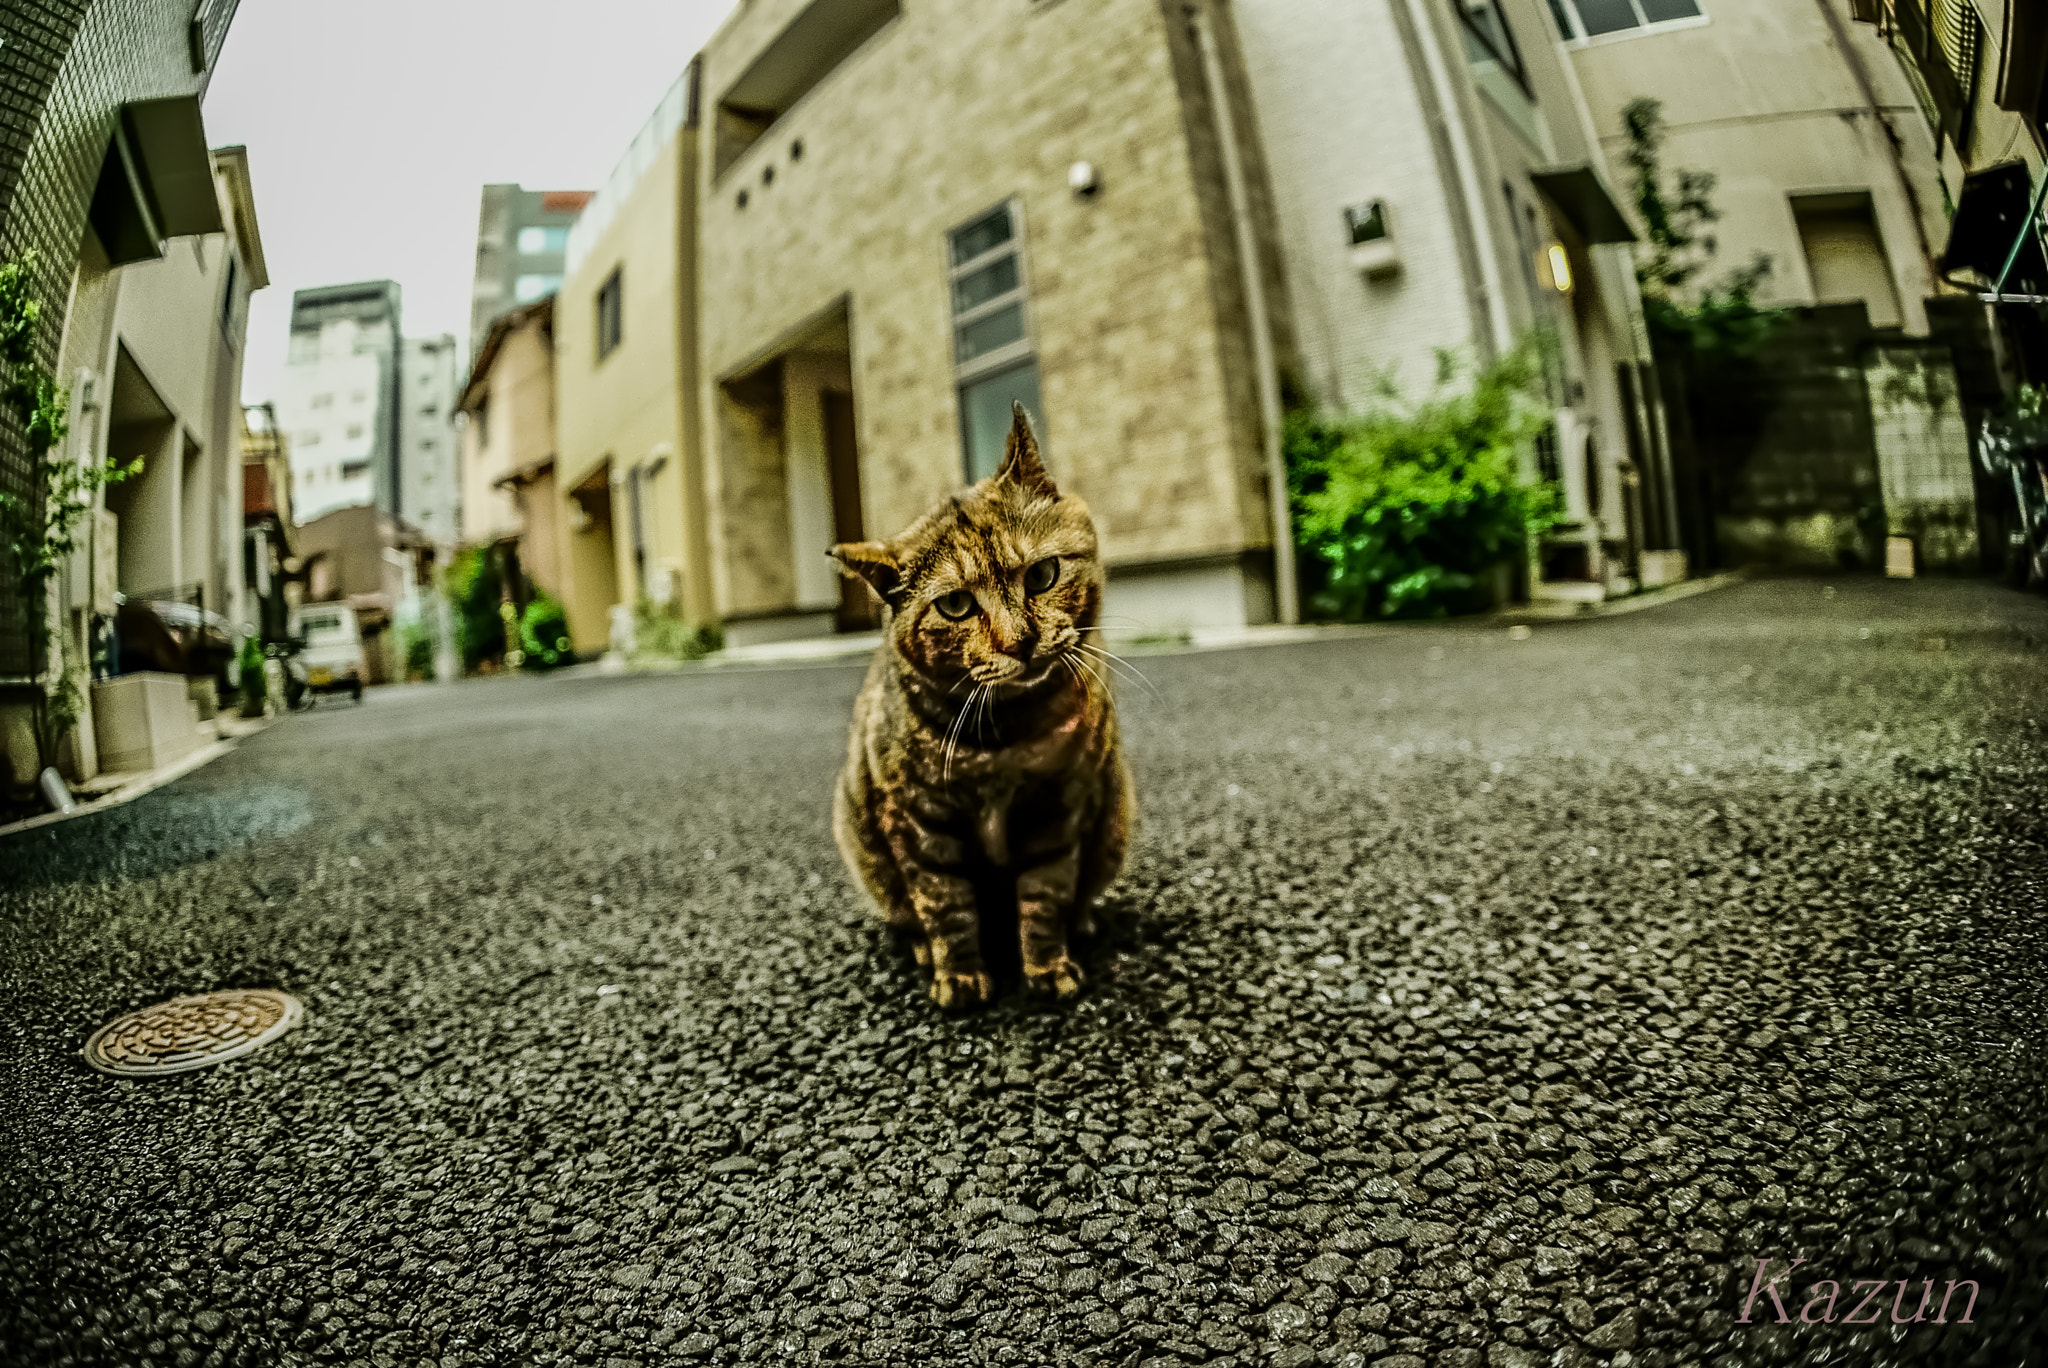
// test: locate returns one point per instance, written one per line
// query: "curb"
(141, 784)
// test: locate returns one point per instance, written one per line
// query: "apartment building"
(340, 399)
(430, 375)
(912, 215)
(521, 238)
(628, 456)
(152, 348)
(1141, 221)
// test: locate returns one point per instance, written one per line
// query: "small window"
(528, 288)
(354, 470)
(542, 241)
(355, 430)
(610, 323)
(1582, 19)
(322, 401)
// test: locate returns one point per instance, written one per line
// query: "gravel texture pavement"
(1469, 1000)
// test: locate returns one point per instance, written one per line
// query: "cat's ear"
(874, 562)
(1021, 465)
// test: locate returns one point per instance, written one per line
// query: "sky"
(372, 127)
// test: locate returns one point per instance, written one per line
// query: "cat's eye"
(1042, 576)
(955, 605)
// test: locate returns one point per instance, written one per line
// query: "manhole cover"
(192, 1032)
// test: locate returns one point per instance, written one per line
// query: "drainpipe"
(1467, 169)
(1287, 592)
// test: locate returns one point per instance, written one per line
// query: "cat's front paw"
(956, 991)
(1059, 977)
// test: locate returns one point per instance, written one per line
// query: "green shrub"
(418, 647)
(252, 682)
(474, 592)
(1405, 509)
(544, 635)
(659, 632)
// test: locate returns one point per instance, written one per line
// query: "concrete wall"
(1763, 96)
(327, 437)
(950, 110)
(427, 387)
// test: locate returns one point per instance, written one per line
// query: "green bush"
(417, 645)
(1406, 509)
(474, 592)
(252, 683)
(659, 632)
(544, 635)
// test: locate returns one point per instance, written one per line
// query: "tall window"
(1598, 18)
(610, 315)
(992, 356)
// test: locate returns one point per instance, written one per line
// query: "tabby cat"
(984, 767)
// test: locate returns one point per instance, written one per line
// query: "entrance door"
(857, 608)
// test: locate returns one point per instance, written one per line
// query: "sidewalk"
(111, 790)
(829, 650)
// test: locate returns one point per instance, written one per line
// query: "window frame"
(1578, 37)
(1510, 61)
(1011, 355)
(614, 288)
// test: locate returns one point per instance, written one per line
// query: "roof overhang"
(1581, 196)
(503, 326)
(231, 164)
(156, 181)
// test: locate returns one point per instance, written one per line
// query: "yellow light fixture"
(1560, 268)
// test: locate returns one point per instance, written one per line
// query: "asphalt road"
(1469, 1000)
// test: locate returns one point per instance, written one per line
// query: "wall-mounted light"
(1369, 226)
(1560, 264)
(1082, 180)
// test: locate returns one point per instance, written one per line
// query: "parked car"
(332, 656)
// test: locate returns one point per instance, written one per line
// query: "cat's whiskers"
(1127, 670)
(953, 732)
(1083, 663)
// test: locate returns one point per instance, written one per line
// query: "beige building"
(1824, 161)
(629, 464)
(507, 461)
(152, 351)
(911, 215)
(1139, 221)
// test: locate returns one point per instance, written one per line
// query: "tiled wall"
(66, 68)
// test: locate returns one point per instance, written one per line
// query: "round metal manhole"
(192, 1032)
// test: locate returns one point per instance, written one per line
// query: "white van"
(333, 655)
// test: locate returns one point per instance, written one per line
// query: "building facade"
(912, 215)
(628, 463)
(510, 507)
(430, 374)
(340, 399)
(152, 349)
(521, 238)
(1452, 199)
(1148, 224)
(1824, 165)
(82, 78)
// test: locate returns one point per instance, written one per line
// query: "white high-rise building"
(338, 400)
(429, 481)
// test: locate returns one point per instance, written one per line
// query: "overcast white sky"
(372, 125)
